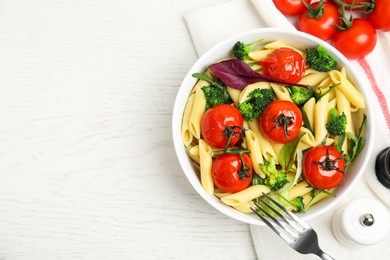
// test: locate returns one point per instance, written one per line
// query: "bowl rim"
(185, 162)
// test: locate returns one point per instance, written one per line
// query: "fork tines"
(288, 229)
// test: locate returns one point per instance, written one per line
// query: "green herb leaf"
(319, 95)
(357, 143)
(289, 152)
(205, 77)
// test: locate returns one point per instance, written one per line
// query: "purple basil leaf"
(237, 74)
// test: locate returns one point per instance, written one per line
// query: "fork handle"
(324, 256)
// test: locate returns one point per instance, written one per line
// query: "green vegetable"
(318, 95)
(337, 123)
(357, 142)
(314, 193)
(298, 204)
(292, 205)
(289, 153)
(215, 93)
(275, 179)
(257, 180)
(319, 59)
(257, 101)
(241, 49)
(300, 95)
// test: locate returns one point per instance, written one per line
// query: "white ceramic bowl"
(222, 50)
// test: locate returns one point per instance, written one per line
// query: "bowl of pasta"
(275, 112)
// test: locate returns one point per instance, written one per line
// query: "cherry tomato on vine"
(356, 41)
(320, 23)
(291, 7)
(323, 167)
(281, 121)
(284, 64)
(220, 122)
(228, 172)
(380, 16)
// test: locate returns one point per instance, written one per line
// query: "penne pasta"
(253, 145)
(245, 195)
(186, 134)
(347, 88)
(234, 95)
(313, 79)
(308, 108)
(193, 152)
(206, 162)
(300, 189)
(267, 150)
(308, 140)
(245, 207)
(258, 55)
(281, 92)
(279, 44)
(320, 119)
(197, 112)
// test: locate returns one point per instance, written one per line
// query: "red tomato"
(281, 121)
(290, 7)
(380, 16)
(228, 174)
(322, 26)
(284, 64)
(323, 167)
(356, 41)
(218, 121)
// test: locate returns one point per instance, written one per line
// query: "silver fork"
(294, 231)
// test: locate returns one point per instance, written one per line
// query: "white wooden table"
(87, 166)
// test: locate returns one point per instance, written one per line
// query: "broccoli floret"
(257, 101)
(337, 123)
(216, 95)
(300, 95)
(275, 179)
(241, 49)
(319, 59)
(298, 204)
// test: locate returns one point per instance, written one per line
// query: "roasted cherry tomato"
(229, 174)
(323, 167)
(357, 41)
(380, 16)
(320, 24)
(284, 64)
(291, 7)
(281, 121)
(220, 122)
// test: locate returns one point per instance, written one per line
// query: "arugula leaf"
(257, 180)
(319, 95)
(357, 142)
(205, 77)
(339, 144)
(289, 152)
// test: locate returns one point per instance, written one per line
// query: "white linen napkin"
(211, 24)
